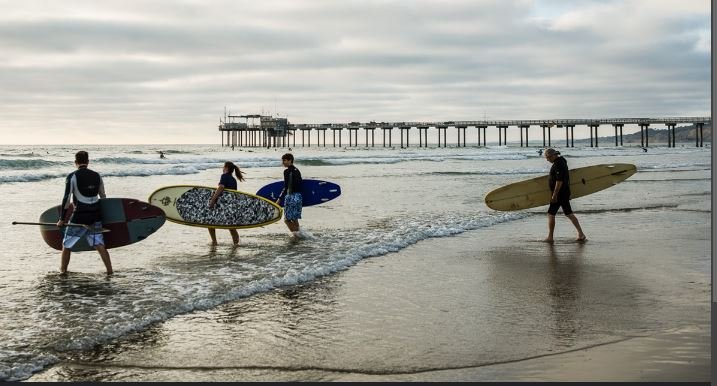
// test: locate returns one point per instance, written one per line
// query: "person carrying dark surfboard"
(291, 194)
(86, 188)
(227, 181)
(559, 182)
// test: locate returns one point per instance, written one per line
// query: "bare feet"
(581, 239)
(548, 240)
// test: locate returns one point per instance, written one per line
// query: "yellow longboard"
(189, 205)
(536, 191)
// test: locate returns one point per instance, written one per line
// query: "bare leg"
(574, 220)
(551, 228)
(293, 225)
(65, 259)
(235, 236)
(213, 235)
(105, 258)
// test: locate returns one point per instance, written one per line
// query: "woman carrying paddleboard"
(227, 181)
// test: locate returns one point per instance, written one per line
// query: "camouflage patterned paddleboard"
(189, 205)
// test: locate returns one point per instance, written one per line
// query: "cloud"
(159, 67)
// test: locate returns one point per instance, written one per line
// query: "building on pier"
(268, 131)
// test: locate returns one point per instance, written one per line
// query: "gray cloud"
(129, 66)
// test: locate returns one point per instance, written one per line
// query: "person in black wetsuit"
(227, 181)
(291, 194)
(559, 182)
(86, 188)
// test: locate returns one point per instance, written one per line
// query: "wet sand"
(486, 305)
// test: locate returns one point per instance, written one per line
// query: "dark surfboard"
(128, 220)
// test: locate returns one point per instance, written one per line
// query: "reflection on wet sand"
(564, 289)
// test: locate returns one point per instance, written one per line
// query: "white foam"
(31, 363)
(141, 165)
(303, 235)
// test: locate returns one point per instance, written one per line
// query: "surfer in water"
(227, 181)
(560, 194)
(291, 194)
(86, 188)
(161, 154)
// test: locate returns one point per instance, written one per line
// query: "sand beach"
(490, 304)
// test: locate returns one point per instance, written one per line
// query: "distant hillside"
(683, 134)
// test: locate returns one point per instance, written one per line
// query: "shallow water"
(391, 200)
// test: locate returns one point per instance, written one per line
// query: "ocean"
(394, 202)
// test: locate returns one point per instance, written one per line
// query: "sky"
(124, 72)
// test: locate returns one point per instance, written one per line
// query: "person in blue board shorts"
(86, 188)
(291, 194)
(227, 181)
(559, 182)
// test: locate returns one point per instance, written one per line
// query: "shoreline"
(430, 316)
(630, 359)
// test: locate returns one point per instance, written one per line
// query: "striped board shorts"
(292, 206)
(74, 234)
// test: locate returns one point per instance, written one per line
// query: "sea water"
(391, 200)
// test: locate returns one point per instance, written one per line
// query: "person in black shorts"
(559, 182)
(83, 189)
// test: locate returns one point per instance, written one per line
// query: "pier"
(279, 132)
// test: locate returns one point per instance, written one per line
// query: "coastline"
(406, 316)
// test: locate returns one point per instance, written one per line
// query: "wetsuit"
(293, 187)
(560, 172)
(84, 185)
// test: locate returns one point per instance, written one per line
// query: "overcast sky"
(162, 71)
